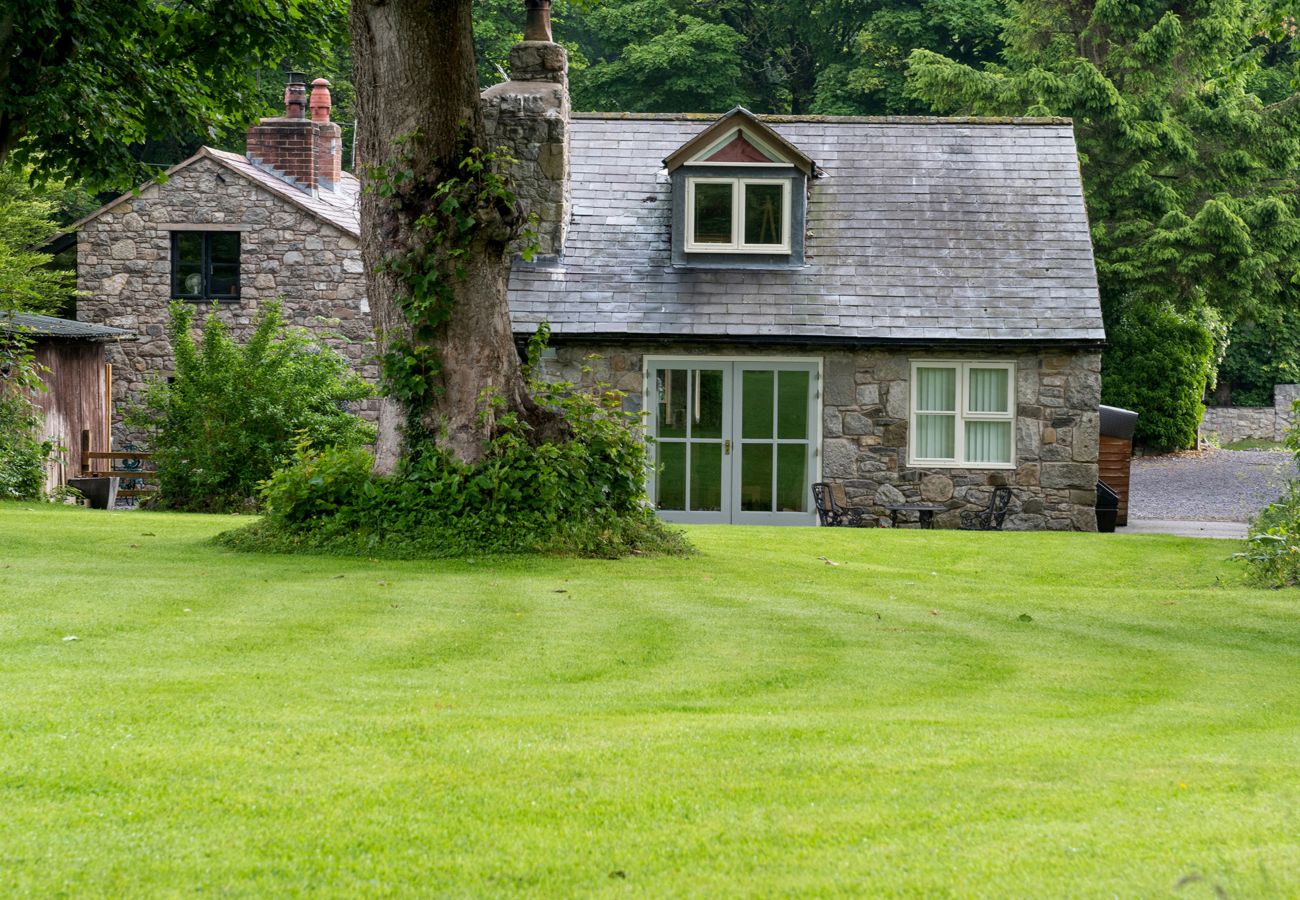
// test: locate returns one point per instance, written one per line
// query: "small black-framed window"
(205, 265)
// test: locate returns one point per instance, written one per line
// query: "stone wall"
(865, 424)
(1266, 423)
(124, 271)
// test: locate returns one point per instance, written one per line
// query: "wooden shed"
(79, 379)
(1115, 453)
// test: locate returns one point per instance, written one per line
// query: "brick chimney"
(529, 114)
(306, 153)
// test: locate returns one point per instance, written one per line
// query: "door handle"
(726, 447)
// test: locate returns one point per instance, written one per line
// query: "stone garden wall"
(1238, 423)
(865, 424)
(124, 272)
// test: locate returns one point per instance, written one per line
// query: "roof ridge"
(236, 163)
(832, 120)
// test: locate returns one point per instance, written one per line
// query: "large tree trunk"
(415, 75)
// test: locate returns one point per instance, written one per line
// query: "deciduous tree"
(436, 221)
(85, 83)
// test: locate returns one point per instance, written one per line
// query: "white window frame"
(962, 414)
(737, 244)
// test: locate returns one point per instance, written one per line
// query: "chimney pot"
(305, 152)
(295, 96)
(320, 100)
(537, 24)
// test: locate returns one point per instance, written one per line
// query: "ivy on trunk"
(437, 222)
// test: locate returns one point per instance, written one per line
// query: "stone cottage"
(907, 306)
(231, 232)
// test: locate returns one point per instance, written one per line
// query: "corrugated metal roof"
(920, 229)
(51, 326)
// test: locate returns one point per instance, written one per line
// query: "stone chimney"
(529, 115)
(306, 153)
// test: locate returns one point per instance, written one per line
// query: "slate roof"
(920, 229)
(52, 327)
(340, 208)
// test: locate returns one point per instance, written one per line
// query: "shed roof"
(53, 327)
(920, 229)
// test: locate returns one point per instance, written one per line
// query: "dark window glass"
(712, 213)
(205, 265)
(764, 214)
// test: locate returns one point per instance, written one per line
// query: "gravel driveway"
(1211, 485)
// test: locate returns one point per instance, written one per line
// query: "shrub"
(584, 495)
(234, 414)
(1273, 545)
(1160, 363)
(22, 454)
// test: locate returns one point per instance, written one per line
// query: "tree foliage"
(232, 414)
(1160, 363)
(28, 281)
(85, 83)
(1263, 350)
(659, 60)
(1189, 175)
(774, 56)
(866, 74)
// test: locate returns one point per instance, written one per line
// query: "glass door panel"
(792, 405)
(757, 395)
(670, 486)
(706, 477)
(756, 477)
(792, 478)
(691, 422)
(776, 405)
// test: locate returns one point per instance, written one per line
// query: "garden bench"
(993, 515)
(833, 507)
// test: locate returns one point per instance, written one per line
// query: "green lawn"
(749, 721)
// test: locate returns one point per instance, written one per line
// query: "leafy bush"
(585, 495)
(1273, 546)
(1159, 364)
(22, 453)
(234, 414)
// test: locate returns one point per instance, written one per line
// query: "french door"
(734, 441)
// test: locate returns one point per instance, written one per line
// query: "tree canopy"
(85, 83)
(773, 56)
(1189, 174)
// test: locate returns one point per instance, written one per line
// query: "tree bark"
(415, 75)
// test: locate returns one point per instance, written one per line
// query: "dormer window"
(738, 215)
(739, 196)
